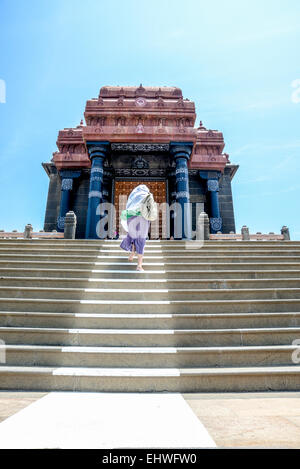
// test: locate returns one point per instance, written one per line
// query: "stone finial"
(286, 233)
(203, 226)
(245, 233)
(28, 231)
(201, 126)
(70, 225)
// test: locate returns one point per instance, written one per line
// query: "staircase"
(75, 315)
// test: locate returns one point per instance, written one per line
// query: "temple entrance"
(123, 188)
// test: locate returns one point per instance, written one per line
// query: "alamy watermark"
(295, 97)
(2, 351)
(2, 91)
(296, 352)
(173, 222)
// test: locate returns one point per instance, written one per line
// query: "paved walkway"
(264, 420)
(105, 420)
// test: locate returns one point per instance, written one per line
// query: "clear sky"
(237, 59)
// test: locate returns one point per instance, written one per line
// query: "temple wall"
(79, 204)
(197, 195)
(226, 202)
(53, 200)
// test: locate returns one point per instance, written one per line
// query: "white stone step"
(133, 294)
(185, 258)
(150, 265)
(148, 306)
(148, 357)
(149, 251)
(150, 242)
(150, 337)
(149, 283)
(148, 320)
(251, 273)
(228, 379)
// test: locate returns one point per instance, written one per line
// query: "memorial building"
(139, 135)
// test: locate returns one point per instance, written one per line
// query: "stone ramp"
(75, 315)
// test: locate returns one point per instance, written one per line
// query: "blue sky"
(238, 60)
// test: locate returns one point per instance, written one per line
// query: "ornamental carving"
(133, 172)
(182, 194)
(140, 163)
(216, 224)
(140, 91)
(140, 102)
(67, 184)
(60, 223)
(212, 185)
(140, 147)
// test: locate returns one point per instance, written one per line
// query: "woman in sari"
(136, 225)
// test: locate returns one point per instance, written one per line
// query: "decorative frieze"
(129, 172)
(141, 147)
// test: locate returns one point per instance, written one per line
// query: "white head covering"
(134, 200)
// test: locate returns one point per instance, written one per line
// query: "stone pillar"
(28, 231)
(66, 188)
(97, 153)
(286, 233)
(171, 201)
(181, 151)
(245, 233)
(212, 178)
(215, 220)
(203, 226)
(70, 225)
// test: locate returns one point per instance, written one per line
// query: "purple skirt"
(137, 233)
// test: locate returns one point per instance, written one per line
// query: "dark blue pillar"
(181, 151)
(97, 153)
(67, 177)
(212, 178)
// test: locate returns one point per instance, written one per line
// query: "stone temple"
(137, 135)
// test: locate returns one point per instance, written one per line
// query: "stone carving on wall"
(133, 172)
(140, 147)
(216, 224)
(212, 185)
(67, 184)
(140, 102)
(140, 163)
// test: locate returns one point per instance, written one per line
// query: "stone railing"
(204, 234)
(246, 236)
(28, 233)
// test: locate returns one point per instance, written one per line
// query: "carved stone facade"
(130, 134)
